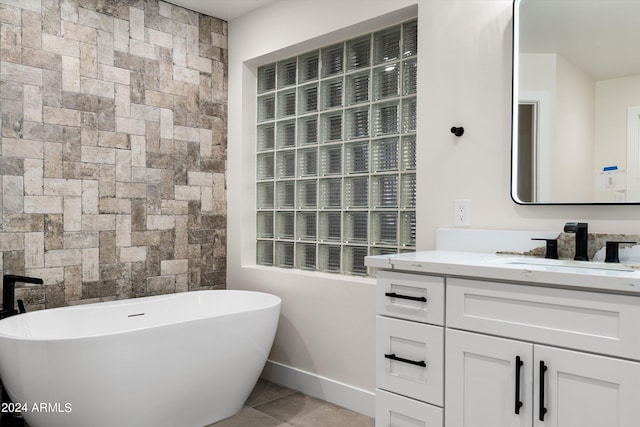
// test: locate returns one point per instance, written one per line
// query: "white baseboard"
(353, 398)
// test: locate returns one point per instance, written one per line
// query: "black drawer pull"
(400, 359)
(543, 410)
(519, 364)
(394, 295)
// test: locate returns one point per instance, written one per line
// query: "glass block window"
(336, 153)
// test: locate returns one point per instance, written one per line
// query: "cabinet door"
(585, 390)
(481, 381)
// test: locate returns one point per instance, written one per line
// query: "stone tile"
(100, 99)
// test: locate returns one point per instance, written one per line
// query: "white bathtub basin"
(179, 360)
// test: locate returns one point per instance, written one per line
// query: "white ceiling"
(223, 9)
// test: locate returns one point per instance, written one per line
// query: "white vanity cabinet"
(516, 379)
(501, 353)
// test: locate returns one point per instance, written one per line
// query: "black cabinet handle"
(543, 410)
(519, 364)
(394, 295)
(400, 359)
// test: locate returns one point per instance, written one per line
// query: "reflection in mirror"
(576, 102)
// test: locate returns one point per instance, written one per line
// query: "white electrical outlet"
(461, 212)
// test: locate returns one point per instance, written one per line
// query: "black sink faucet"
(582, 238)
(9, 291)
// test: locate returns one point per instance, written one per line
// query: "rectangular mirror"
(576, 102)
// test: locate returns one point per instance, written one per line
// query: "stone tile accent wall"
(113, 149)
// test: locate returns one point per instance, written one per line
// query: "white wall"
(327, 322)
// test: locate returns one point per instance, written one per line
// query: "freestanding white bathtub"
(179, 360)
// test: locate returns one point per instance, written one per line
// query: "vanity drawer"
(393, 410)
(598, 322)
(411, 296)
(409, 359)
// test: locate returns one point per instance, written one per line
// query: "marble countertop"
(594, 276)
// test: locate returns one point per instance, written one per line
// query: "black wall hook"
(457, 131)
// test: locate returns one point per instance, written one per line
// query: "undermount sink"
(563, 263)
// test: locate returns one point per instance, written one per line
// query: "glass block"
(284, 255)
(357, 88)
(286, 134)
(266, 137)
(407, 229)
(330, 193)
(384, 191)
(287, 103)
(409, 115)
(330, 227)
(265, 167)
(307, 162)
(356, 227)
(266, 107)
(331, 127)
(410, 38)
(410, 77)
(285, 194)
(357, 123)
(385, 118)
(329, 258)
(306, 226)
(356, 156)
(386, 81)
(307, 197)
(330, 160)
(308, 67)
(354, 260)
(306, 256)
(264, 195)
(285, 225)
(409, 152)
(308, 98)
(383, 251)
(356, 192)
(386, 45)
(264, 252)
(359, 53)
(331, 94)
(264, 225)
(408, 190)
(287, 71)
(267, 78)
(384, 228)
(384, 154)
(286, 164)
(308, 130)
(332, 60)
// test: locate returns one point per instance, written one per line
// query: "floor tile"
(265, 392)
(250, 417)
(305, 411)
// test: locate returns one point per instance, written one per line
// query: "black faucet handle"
(612, 250)
(551, 249)
(21, 308)
(22, 279)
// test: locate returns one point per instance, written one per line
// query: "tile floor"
(271, 405)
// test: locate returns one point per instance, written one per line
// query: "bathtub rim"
(273, 302)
